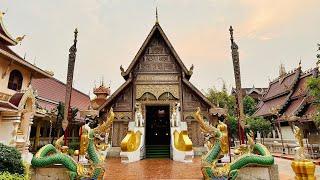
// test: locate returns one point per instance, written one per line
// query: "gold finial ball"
(76, 152)
(64, 149)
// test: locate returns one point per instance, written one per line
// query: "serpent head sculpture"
(93, 143)
(257, 154)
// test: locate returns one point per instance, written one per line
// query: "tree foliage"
(259, 124)
(249, 105)
(5, 175)
(314, 90)
(224, 100)
(10, 160)
(233, 125)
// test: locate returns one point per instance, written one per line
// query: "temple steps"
(157, 151)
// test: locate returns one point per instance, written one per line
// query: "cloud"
(265, 14)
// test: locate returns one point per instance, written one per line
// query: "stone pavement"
(152, 169)
(168, 169)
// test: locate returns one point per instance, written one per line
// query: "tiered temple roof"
(287, 97)
(102, 94)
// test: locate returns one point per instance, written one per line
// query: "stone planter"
(259, 173)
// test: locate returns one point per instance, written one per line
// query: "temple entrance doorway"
(158, 131)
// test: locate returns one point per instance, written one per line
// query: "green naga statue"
(93, 142)
(218, 144)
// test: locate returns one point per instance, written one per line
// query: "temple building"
(17, 97)
(288, 102)
(255, 93)
(50, 92)
(157, 79)
(28, 99)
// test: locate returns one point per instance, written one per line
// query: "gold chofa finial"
(157, 20)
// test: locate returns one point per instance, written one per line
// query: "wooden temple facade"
(157, 78)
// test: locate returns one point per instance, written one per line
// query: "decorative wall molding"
(157, 90)
(157, 78)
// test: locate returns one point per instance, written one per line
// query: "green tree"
(314, 90)
(233, 126)
(249, 105)
(259, 124)
(222, 99)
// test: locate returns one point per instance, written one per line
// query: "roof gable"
(4, 35)
(156, 29)
(282, 85)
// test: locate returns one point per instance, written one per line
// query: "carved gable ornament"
(157, 90)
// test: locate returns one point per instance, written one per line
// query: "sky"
(268, 33)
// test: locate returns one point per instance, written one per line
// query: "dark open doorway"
(158, 131)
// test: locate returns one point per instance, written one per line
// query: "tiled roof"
(301, 88)
(51, 89)
(311, 110)
(15, 99)
(266, 108)
(7, 106)
(293, 107)
(290, 93)
(282, 85)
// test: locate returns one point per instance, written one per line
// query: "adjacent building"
(255, 93)
(28, 99)
(288, 102)
(50, 92)
(17, 97)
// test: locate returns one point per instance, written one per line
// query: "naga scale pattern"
(253, 154)
(97, 139)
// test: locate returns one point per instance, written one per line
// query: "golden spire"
(157, 20)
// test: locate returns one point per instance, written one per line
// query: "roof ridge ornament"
(157, 18)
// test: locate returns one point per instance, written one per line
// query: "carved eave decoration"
(4, 35)
(156, 28)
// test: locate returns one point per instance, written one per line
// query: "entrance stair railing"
(132, 146)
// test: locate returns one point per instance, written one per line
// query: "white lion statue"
(176, 115)
(138, 118)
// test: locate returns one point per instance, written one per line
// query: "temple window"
(15, 80)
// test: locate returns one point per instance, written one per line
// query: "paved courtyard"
(168, 169)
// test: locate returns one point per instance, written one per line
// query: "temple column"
(36, 144)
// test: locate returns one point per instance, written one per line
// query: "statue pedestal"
(304, 169)
(54, 172)
(258, 172)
